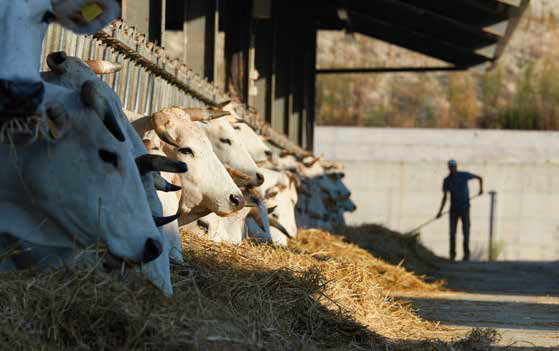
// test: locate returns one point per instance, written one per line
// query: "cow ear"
(85, 16)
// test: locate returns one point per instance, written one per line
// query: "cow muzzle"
(152, 250)
(20, 98)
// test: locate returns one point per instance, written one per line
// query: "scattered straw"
(246, 297)
(393, 247)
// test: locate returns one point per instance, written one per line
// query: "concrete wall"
(396, 178)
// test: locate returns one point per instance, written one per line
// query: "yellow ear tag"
(52, 129)
(91, 11)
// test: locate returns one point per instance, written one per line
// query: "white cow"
(82, 189)
(280, 193)
(256, 147)
(70, 72)
(207, 187)
(23, 29)
(169, 199)
(231, 151)
(213, 227)
(311, 211)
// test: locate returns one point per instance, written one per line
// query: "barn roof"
(453, 31)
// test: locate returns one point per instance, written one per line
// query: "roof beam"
(444, 29)
(415, 41)
(478, 13)
(388, 70)
(511, 27)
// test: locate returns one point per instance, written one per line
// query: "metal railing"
(149, 80)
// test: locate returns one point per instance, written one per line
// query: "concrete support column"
(237, 44)
(264, 61)
(200, 31)
(136, 13)
(281, 107)
(310, 90)
(156, 20)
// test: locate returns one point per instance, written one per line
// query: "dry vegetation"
(522, 92)
(320, 294)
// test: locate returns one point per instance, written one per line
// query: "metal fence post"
(493, 200)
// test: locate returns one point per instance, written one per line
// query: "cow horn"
(237, 174)
(103, 67)
(221, 105)
(218, 114)
(55, 61)
(161, 221)
(312, 162)
(274, 223)
(152, 163)
(91, 97)
(160, 120)
(294, 179)
(199, 114)
(162, 185)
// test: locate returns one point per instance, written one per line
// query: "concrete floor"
(519, 299)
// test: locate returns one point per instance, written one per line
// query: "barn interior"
(263, 52)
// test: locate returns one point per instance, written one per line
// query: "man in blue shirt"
(456, 183)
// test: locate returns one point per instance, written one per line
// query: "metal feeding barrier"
(149, 79)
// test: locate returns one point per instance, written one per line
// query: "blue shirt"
(457, 185)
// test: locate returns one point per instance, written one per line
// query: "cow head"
(89, 183)
(212, 227)
(207, 187)
(23, 29)
(253, 143)
(283, 198)
(230, 149)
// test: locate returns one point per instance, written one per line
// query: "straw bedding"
(319, 294)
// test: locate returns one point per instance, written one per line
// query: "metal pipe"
(493, 200)
(61, 42)
(127, 84)
(116, 81)
(138, 89)
(149, 96)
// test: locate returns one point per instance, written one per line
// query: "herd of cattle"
(82, 176)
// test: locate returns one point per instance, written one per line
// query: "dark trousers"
(464, 216)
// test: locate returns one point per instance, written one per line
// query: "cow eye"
(203, 225)
(48, 17)
(186, 151)
(236, 127)
(275, 216)
(109, 157)
(226, 141)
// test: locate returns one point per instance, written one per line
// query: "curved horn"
(200, 114)
(91, 97)
(311, 163)
(274, 223)
(161, 221)
(221, 105)
(151, 163)
(237, 174)
(162, 185)
(160, 121)
(55, 62)
(294, 179)
(103, 67)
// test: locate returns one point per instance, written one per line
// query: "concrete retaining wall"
(396, 178)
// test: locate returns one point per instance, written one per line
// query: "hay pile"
(351, 258)
(393, 247)
(247, 297)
